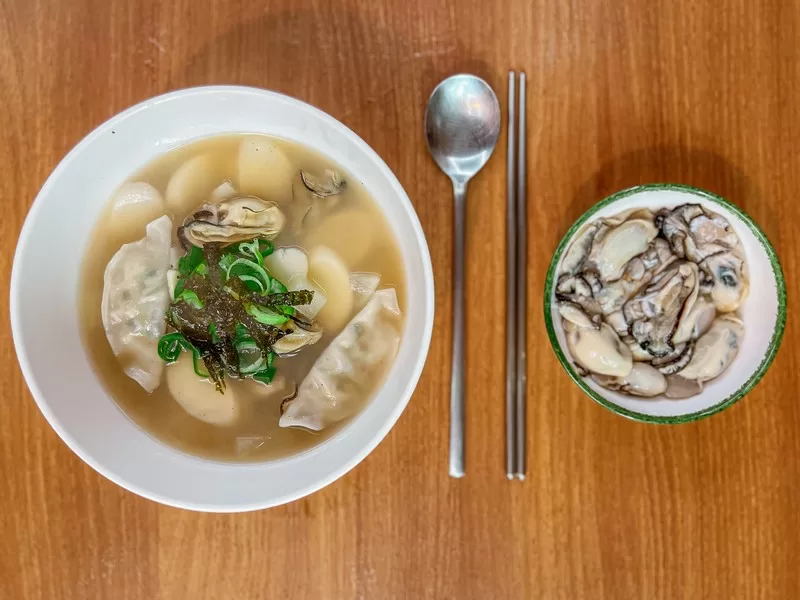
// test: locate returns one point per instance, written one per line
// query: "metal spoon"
(462, 124)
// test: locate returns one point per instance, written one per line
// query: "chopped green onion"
(191, 298)
(265, 247)
(245, 266)
(188, 264)
(225, 263)
(275, 287)
(251, 358)
(251, 250)
(253, 283)
(199, 366)
(265, 375)
(170, 346)
(264, 316)
(240, 334)
(258, 248)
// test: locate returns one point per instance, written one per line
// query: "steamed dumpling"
(135, 299)
(141, 362)
(134, 205)
(363, 286)
(330, 273)
(264, 170)
(348, 367)
(192, 184)
(199, 397)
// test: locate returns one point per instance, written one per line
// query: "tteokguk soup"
(242, 297)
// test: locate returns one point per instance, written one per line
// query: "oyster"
(674, 361)
(231, 221)
(707, 229)
(573, 313)
(726, 275)
(715, 350)
(611, 253)
(575, 289)
(299, 337)
(679, 387)
(599, 350)
(695, 234)
(653, 314)
(579, 249)
(643, 380)
(329, 185)
(617, 321)
(696, 321)
(646, 299)
(638, 272)
(639, 353)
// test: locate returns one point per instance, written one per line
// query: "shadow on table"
(347, 63)
(672, 164)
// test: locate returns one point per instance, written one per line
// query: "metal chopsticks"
(522, 283)
(516, 286)
(511, 282)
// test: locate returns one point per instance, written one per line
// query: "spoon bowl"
(462, 124)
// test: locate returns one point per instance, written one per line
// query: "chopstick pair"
(516, 287)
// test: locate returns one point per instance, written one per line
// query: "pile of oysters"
(648, 300)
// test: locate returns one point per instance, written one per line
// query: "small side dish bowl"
(763, 312)
(47, 336)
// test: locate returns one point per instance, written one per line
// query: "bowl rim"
(374, 439)
(777, 333)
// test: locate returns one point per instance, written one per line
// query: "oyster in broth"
(233, 220)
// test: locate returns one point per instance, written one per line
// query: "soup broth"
(348, 225)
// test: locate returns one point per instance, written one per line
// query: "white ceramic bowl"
(44, 306)
(763, 312)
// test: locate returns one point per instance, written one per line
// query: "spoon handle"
(457, 373)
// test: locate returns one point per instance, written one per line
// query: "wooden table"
(620, 92)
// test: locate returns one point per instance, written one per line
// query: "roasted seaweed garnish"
(228, 311)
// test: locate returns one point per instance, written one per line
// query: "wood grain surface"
(620, 92)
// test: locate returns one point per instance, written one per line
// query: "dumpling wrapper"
(141, 362)
(135, 300)
(363, 286)
(349, 367)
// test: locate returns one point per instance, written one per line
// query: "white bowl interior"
(44, 308)
(759, 311)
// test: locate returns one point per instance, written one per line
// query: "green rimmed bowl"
(763, 312)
